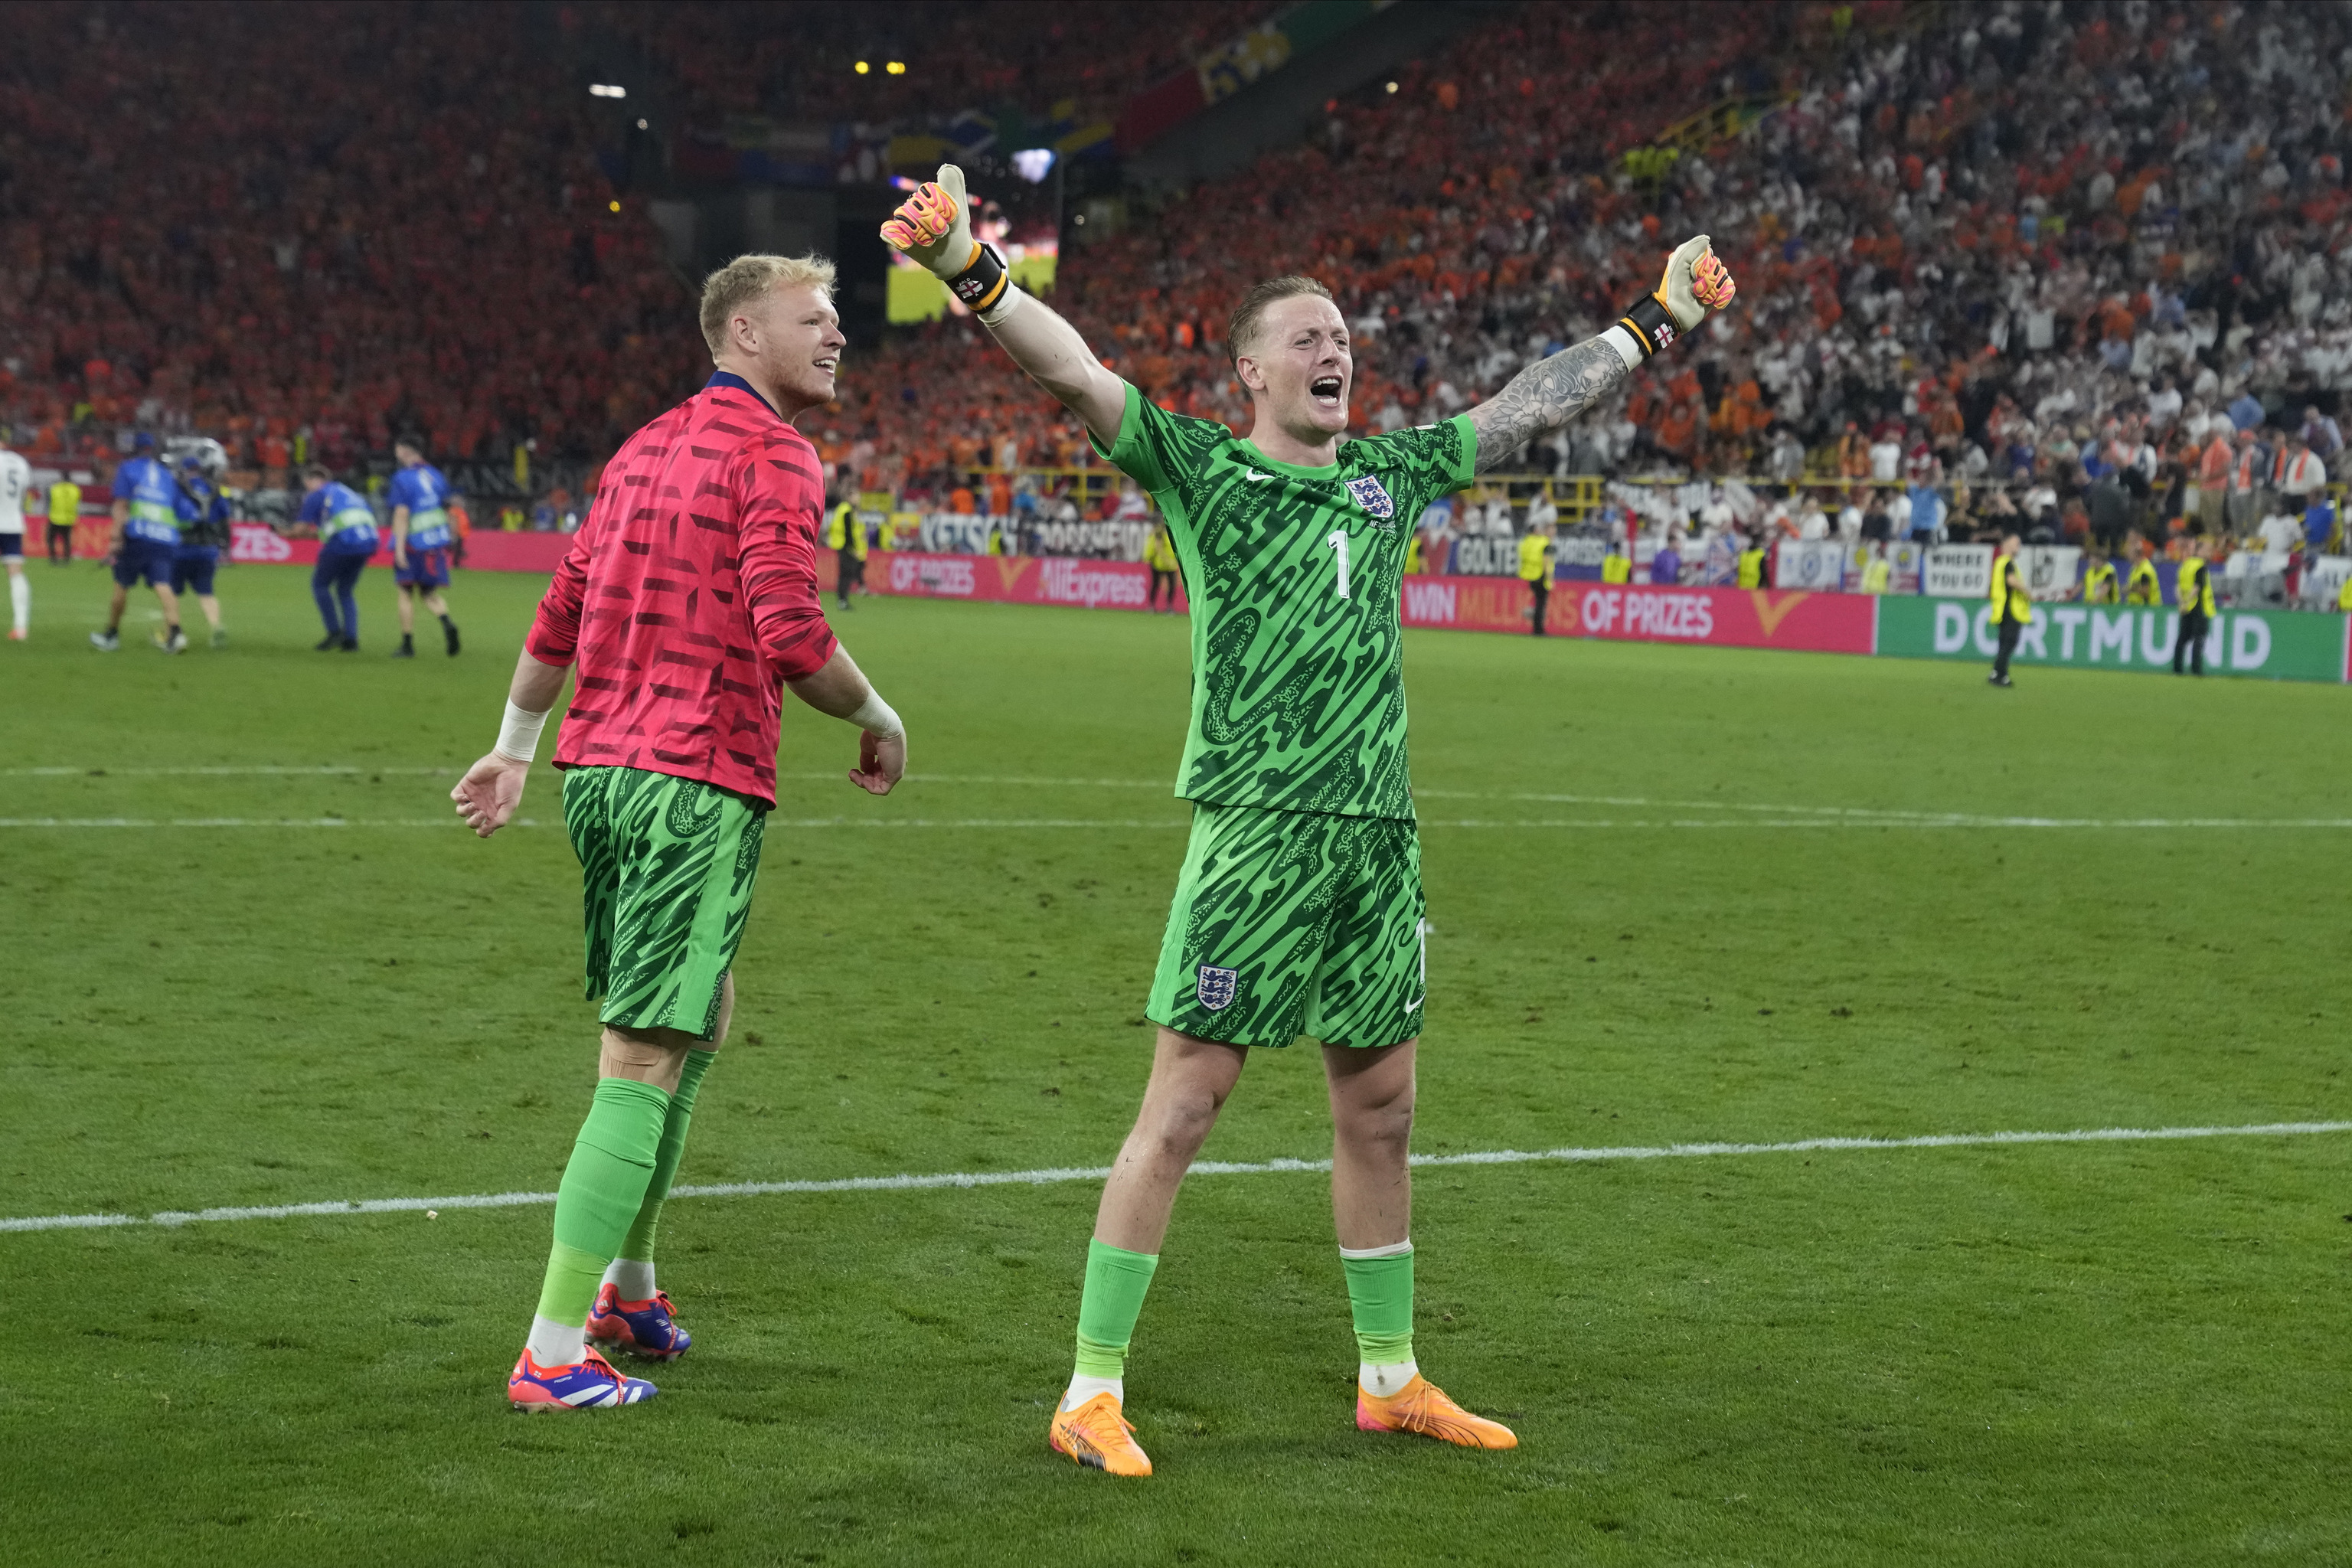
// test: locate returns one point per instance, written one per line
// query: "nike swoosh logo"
(1253, 475)
(1415, 1003)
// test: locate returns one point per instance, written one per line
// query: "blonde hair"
(1240, 333)
(746, 279)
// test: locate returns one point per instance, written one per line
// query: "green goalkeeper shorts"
(1289, 923)
(666, 867)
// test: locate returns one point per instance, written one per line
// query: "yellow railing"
(1721, 121)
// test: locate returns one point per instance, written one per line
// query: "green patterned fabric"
(1294, 576)
(666, 868)
(1289, 923)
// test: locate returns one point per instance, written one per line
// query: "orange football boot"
(1097, 1436)
(1421, 1406)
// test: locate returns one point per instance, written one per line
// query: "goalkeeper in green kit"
(1298, 910)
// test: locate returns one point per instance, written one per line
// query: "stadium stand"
(376, 217)
(2030, 257)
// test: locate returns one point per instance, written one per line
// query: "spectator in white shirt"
(1849, 518)
(2282, 536)
(1812, 522)
(1886, 459)
(2301, 476)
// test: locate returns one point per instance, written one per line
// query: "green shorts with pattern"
(666, 867)
(1289, 923)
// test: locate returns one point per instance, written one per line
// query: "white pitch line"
(246, 822)
(1057, 1175)
(1163, 824)
(1756, 814)
(328, 770)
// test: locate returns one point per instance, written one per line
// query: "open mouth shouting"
(1326, 390)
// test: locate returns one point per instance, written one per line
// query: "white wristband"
(519, 733)
(995, 314)
(1627, 348)
(879, 719)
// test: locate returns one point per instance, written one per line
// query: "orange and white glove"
(1696, 281)
(933, 227)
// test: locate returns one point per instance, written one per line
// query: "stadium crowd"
(303, 228)
(2069, 268)
(2075, 267)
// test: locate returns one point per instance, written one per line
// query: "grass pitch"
(2123, 1352)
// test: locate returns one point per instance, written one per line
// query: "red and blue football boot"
(640, 1328)
(588, 1383)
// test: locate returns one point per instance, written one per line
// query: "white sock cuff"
(632, 1276)
(1083, 1388)
(1393, 1249)
(555, 1344)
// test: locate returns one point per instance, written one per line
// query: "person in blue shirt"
(204, 530)
(2318, 525)
(146, 541)
(346, 526)
(420, 542)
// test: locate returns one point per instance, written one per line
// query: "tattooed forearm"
(1544, 397)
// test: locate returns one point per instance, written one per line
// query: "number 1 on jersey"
(1338, 542)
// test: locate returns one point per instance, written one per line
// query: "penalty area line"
(1054, 1175)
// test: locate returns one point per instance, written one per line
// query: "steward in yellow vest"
(2195, 594)
(2144, 588)
(846, 536)
(2099, 583)
(1536, 553)
(1160, 555)
(2013, 607)
(1751, 567)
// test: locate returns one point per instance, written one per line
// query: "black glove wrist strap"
(1651, 324)
(982, 283)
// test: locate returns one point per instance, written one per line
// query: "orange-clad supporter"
(1678, 429)
(962, 501)
(1854, 453)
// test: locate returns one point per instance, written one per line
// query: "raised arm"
(1547, 395)
(933, 227)
(1050, 350)
(1551, 392)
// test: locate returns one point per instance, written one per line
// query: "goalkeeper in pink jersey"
(685, 606)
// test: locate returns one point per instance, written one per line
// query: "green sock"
(1380, 1295)
(639, 1243)
(602, 1188)
(1116, 1282)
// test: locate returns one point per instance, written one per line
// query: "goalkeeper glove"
(933, 228)
(1695, 282)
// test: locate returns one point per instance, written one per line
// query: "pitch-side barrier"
(2275, 644)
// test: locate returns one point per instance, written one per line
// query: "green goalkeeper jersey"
(1293, 576)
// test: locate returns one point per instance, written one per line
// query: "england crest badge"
(1372, 497)
(1217, 986)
